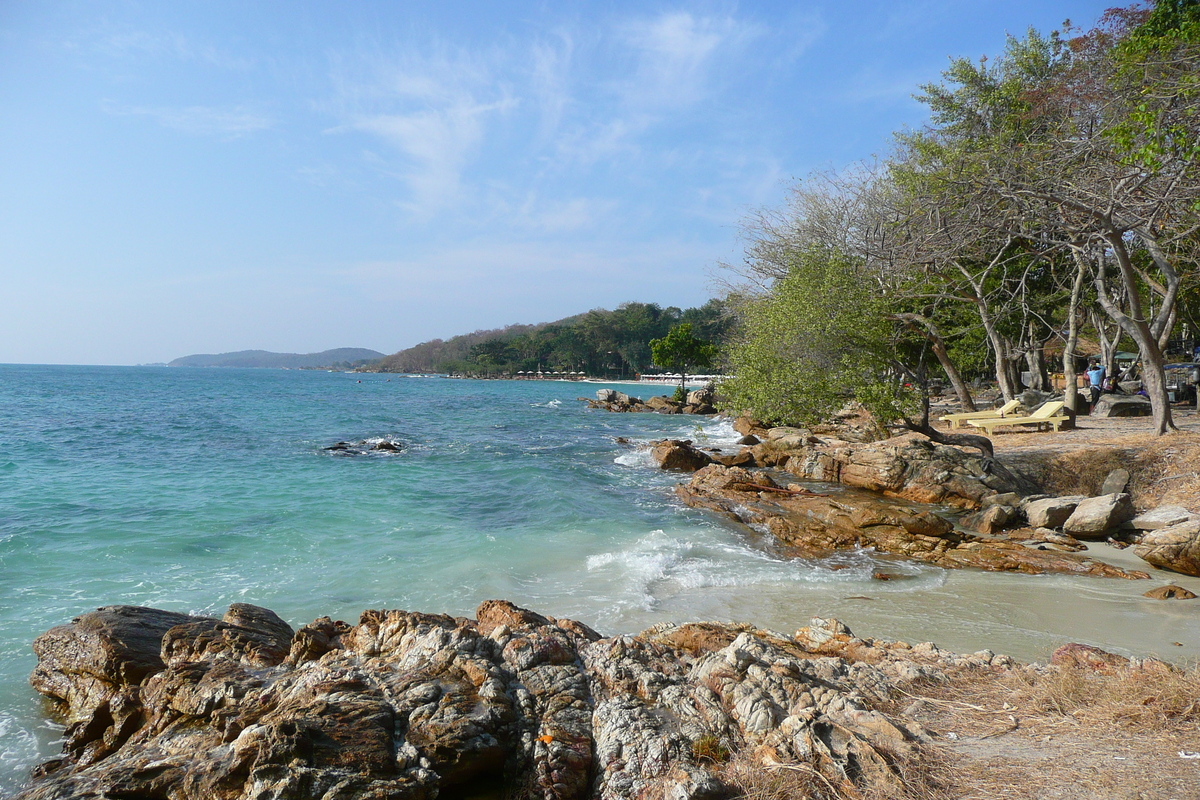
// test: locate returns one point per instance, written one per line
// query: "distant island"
(338, 358)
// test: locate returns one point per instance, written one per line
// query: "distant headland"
(341, 358)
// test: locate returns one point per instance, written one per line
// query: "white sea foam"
(18, 747)
(636, 458)
(661, 565)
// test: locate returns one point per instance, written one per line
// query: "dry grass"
(1042, 733)
(1066, 732)
(752, 781)
(1164, 470)
(922, 778)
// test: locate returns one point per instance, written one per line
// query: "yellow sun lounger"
(956, 420)
(1048, 414)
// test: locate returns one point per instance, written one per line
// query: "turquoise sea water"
(191, 489)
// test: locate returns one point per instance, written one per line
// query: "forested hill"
(599, 342)
(341, 357)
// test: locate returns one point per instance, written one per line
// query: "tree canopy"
(680, 351)
(1054, 192)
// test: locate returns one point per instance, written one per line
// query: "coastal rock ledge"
(510, 704)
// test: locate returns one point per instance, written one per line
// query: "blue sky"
(190, 177)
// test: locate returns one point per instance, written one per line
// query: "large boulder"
(701, 401)
(1176, 547)
(749, 425)
(1121, 405)
(663, 405)
(86, 663)
(679, 455)
(909, 467)
(990, 519)
(789, 438)
(1115, 481)
(1051, 512)
(1094, 517)
(101, 666)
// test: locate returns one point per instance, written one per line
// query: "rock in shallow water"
(816, 525)
(411, 705)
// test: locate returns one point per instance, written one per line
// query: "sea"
(190, 489)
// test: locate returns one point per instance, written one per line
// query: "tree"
(1086, 146)
(827, 333)
(680, 351)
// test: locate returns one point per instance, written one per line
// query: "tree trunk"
(1000, 350)
(1071, 389)
(979, 442)
(938, 345)
(1135, 324)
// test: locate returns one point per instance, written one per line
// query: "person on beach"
(1095, 375)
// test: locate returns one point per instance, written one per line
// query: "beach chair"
(956, 420)
(1048, 414)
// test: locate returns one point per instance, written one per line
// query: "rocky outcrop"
(697, 402)
(612, 400)
(409, 705)
(909, 467)
(815, 525)
(679, 455)
(1175, 547)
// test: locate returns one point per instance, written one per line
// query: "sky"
(202, 177)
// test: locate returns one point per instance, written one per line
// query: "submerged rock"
(1170, 592)
(365, 446)
(406, 705)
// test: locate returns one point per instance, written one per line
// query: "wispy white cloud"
(675, 54)
(433, 110)
(128, 43)
(225, 123)
(550, 80)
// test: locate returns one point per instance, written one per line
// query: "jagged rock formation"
(815, 525)
(699, 401)
(411, 705)
(679, 454)
(909, 467)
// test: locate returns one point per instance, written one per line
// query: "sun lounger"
(956, 420)
(1048, 414)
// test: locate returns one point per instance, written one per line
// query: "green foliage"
(599, 342)
(680, 351)
(1158, 69)
(820, 337)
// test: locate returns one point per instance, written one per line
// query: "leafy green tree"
(680, 351)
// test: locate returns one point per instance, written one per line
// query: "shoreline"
(408, 704)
